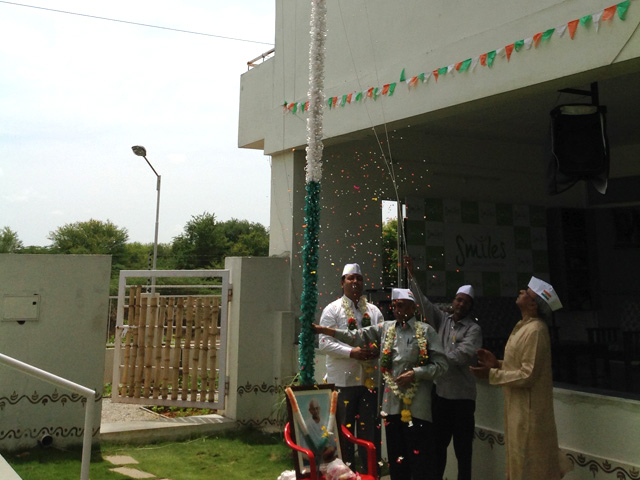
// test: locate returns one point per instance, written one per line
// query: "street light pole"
(142, 152)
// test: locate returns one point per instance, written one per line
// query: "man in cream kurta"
(532, 451)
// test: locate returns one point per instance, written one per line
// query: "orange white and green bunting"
(486, 59)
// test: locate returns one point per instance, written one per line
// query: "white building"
(448, 104)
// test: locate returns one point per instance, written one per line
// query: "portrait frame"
(304, 395)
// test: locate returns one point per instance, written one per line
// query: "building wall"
(369, 43)
(600, 435)
(261, 350)
(65, 338)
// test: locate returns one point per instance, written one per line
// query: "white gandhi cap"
(546, 292)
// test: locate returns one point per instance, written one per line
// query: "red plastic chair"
(344, 431)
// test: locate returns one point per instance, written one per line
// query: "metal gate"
(170, 350)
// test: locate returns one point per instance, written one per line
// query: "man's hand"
(408, 263)
(486, 361)
(363, 353)
(405, 378)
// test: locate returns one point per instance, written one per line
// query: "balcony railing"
(258, 60)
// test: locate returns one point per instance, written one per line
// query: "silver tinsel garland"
(316, 90)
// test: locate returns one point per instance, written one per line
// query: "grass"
(234, 455)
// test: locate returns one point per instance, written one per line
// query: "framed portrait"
(314, 403)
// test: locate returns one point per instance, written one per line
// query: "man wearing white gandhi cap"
(411, 359)
(454, 394)
(525, 376)
(353, 369)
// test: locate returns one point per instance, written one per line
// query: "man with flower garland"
(412, 357)
(353, 369)
(454, 398)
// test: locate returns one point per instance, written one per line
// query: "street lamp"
(142, 152)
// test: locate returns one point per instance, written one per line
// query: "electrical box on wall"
(20, 308)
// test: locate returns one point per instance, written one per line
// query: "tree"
(245, 238)
(9, 241)
(205, 243)
(202, 245)
(91, 237)
(390, 253)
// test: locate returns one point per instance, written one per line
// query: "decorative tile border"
(264, 388)
(35, 398)
(489, 436)
(595, 465)
(580, 460)
(37, 433)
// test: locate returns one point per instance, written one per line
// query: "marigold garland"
(352, 324)
(386, 365)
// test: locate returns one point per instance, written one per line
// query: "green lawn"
(235, 455)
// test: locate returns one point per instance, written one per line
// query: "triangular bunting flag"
(561, 29)
(622, 9)
(585, 20)
(483, 59)
(402, 77)
(474, 62)
(349, 97)
(392, 88)
(509, 50)
(421, 77)
(518, 45)
(596, 19)
(609, 13)
(306, 105)
(458, 65)
(344, 100)
(465, 65)
(548, 34)
(442, 71)
(450, 68)
(528, 42)
(385, 89)
(413, 82)
(435, 75)
(572, 25)
(536, 39)
(491, 56)
(370, 92)
(358, 96)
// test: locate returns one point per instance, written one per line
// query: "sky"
(76, 93)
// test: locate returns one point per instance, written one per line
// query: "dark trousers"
(410, 449)
(358, 411)
(453, 418)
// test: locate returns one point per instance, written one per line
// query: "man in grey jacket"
(454, 398)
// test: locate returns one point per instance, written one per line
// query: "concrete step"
(6, 472)
(164, 430)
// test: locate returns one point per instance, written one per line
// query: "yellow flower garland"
(387, 373)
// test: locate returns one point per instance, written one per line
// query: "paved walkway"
(124, 467)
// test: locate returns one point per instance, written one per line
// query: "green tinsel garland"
(309, 278)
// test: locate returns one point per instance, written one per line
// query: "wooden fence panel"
(170, 348)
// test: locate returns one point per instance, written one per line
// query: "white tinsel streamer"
(316, 90)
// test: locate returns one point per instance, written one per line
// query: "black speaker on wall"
(579, 147)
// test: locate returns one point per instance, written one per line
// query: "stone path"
(122, 462)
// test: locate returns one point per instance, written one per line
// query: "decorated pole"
(313, 169)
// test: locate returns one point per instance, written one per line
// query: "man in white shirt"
(353, 370)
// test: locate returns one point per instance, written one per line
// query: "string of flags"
(486, 60)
